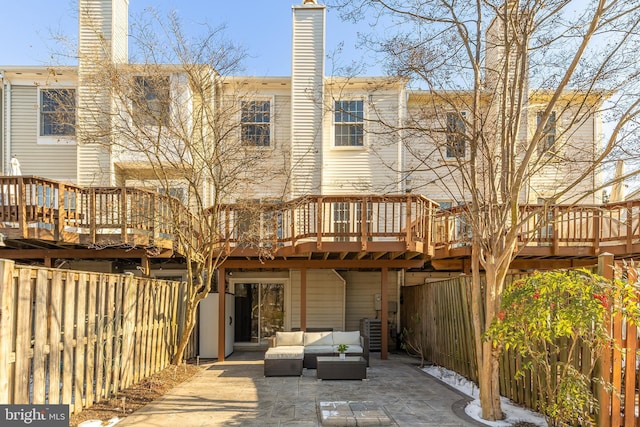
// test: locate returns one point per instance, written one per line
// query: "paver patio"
(236, 393)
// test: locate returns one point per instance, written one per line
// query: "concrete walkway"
(236, 393)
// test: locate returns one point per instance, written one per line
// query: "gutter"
(6, 123)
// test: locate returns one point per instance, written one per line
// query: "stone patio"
(236, 393)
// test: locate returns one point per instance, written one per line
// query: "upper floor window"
(548, 139)
(57, 112)
(349, 123)
(456, 135)
(151, 100)
(256, 123)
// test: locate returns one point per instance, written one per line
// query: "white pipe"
(2, 113)
(6, 153)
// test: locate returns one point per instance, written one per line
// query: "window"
(456, 135)
(548, 139)
(57, 112)
(349, 123)
(256, 123)
(151, 101)
(177, 192)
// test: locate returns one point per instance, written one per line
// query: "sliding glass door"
(259, 311)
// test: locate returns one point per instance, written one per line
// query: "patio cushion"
(289, 338)
(285, 352)
(318, 338)
(319, 349)
(351, 349)
(349, 338)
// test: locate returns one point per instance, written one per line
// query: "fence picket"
(91, 339)
(100, 338)
(129, 315)
(631, 374)
(117, 333)
(81, 321)
(109, 319)
(67, 337)
(7, 328)
(40, 353)
(55, 323)
(23, 338)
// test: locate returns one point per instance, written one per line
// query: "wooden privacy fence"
(440, 313)
(70, 337)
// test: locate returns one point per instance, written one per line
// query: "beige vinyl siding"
(361, 289)
(120, 25)
(269, 178)
(307, 77)
(325, 299)
(281, 141)
(441, 182)
(368, 169)
(102, 37)
(52, 161)
(575, 142)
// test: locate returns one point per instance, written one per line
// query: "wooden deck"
(43, 219)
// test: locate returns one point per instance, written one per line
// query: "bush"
(551, 318)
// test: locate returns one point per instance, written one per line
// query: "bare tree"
(174, 120)
(512, 92)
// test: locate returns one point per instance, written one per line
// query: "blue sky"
(262, 26)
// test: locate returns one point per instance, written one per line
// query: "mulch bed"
(136, 396)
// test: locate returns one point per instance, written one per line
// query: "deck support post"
(222, 315)
(603, 367)
(145, 265)
(384, 312)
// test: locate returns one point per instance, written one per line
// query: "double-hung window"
(151, 100)
(57, 112)
(456, 145)
(349, 123)
(256, 123)
(548, 139)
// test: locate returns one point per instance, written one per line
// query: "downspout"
(6, 152)
(403, 100)
(2, 113)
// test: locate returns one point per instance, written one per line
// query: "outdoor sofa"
(290, 352)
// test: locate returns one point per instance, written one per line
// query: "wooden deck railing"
(321, 219)
(37, 208)
(556, 230)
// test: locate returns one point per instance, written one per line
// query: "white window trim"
(272, 127)
(465, 114)
(54, 139)
(365, 137)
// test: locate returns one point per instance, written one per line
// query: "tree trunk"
(483, 311)
(183, 339)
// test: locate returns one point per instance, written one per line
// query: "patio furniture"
(334, 368)
(285, 360)
(314, 344)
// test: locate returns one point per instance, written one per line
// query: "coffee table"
(334, 368)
